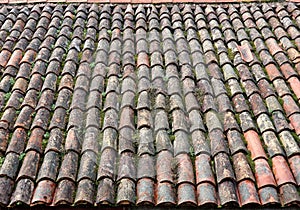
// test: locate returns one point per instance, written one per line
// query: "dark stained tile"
(6, 190)
(248, 194)
(145, 192)
(10, 166)
(22, 193)
(64, 193)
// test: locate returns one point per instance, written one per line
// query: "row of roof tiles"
(150, 105)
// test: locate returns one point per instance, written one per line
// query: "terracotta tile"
(127, 118)
(145, 192)
(289, 195)
(235, 142)
(35, 140)
(203, 169)
(104, 193)
(6, 190)
(245, 53)
(17, 142)
(295, 85)
(294, 119)
(165, 194)
(217, 142)
(227, 194)
(223, 168)
(240, 103)
(287, 70)
(254, 145)
(126, 192)
(282, 171)
(268, 196)
(87, 168)
(164, 166)
(289, 143)
(43, 193)
(64, 193)
(206, 195)
(85, 192)
(263, 174)
(290, 105)
(265, 88)
(242, 168)
(248, 194)
(273, 46)
(15, 57)
(294, 164)
(10, 166)
(23, 192)
(68, 168)
(273, 72)
(184, 169)
(186, 195)
(257, 104)
(126, 168)
(29, 166)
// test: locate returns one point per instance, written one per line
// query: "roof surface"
(188, 105)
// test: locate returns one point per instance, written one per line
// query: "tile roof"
(188, 105)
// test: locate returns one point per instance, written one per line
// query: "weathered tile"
(68, 168)
(10, 166)
(126, 192)
(6, 190)
(263, 174)
(29, 166)
(242, 168)
(268, 196)
(227, 193)
(85, 192)
(289, 195)
(223, 167)
(203, 169)
(165, 194)
(145, 192)
(217, 142)
(248, 194)
(43, 193)
(64, 193)
(23, 192)
(206, 195)
(164, 164)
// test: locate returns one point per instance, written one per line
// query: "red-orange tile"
(254, 145)
(295, 167)
(282, 171)
(273, 46)
(287, 70)
(295, 122)
(295, 85)
(272, 71)
(246, 53)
